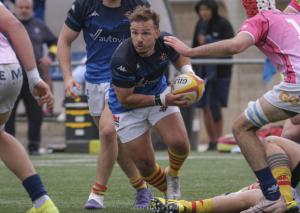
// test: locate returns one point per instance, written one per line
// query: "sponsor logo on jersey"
(110, 39)
(93, 14)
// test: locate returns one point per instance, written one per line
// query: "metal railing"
(57, 76)
(216, 61)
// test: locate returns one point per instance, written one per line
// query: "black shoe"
(212, 146)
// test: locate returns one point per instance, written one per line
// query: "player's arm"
(18, 37)
(130, 99)
(66, 37)
(133, 100)
(124, 82)
(293, 7)
(70, 31)
(183, 64)
(226, 47)
(23, 48)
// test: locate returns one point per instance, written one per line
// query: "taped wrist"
(33, 77)
(187, 69)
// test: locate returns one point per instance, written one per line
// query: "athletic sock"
(157, 179)
(279, 164)
(137, 182)
(99, 189)
(34, 187)
(268, 184)
(198, 206)
(40, 201)
(175, 162)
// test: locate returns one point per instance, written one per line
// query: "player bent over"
(265, 28)
(12, 152)
(283, 157)
(140, 99)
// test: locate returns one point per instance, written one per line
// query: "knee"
(241, 126)
(237, 127)
(181, 145)
(145, 166)
(107, 132)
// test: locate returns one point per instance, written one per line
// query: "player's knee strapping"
(255, 114)
(280, 165)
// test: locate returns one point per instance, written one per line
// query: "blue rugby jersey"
(104, 28)
(145, 74)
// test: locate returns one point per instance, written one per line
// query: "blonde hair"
(142, 13)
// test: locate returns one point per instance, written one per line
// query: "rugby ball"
(190, 85)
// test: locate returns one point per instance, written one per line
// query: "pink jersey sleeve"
(256, 26)
(295, 4)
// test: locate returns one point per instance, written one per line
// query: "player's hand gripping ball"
(190, 85)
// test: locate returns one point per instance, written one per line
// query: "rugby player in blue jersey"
(140, 99)
(105, 25)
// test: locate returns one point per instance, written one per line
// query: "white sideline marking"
(90, 161)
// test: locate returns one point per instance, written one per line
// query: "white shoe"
(95, 202)
(61, 117)
(173, 187)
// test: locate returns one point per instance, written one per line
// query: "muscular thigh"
(172, 128)
(274, 113)
(106, 119)
(141, 149)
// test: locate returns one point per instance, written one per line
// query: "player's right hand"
(176, 100)
(43, 94)
(69, 88)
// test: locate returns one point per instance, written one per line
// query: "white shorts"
(130, 125)
(11, 79)
(97, 96)
(285, 96)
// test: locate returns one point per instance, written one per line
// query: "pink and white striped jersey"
(7, 54)
(277, 35)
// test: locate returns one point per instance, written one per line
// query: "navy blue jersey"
(145, 74)
(104, 28)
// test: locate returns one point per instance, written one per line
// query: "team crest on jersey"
(163, 56)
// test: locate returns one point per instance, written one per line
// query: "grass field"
(68, 178)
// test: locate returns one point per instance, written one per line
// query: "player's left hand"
(43, 94)
(178, 45)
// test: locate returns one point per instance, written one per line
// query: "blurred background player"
(39, 35)
(284, 159)
(265, 27)
(212, 27)
(11, 151)
(141, 99)
(105, 25)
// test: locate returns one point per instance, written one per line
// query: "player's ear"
(157, 32)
